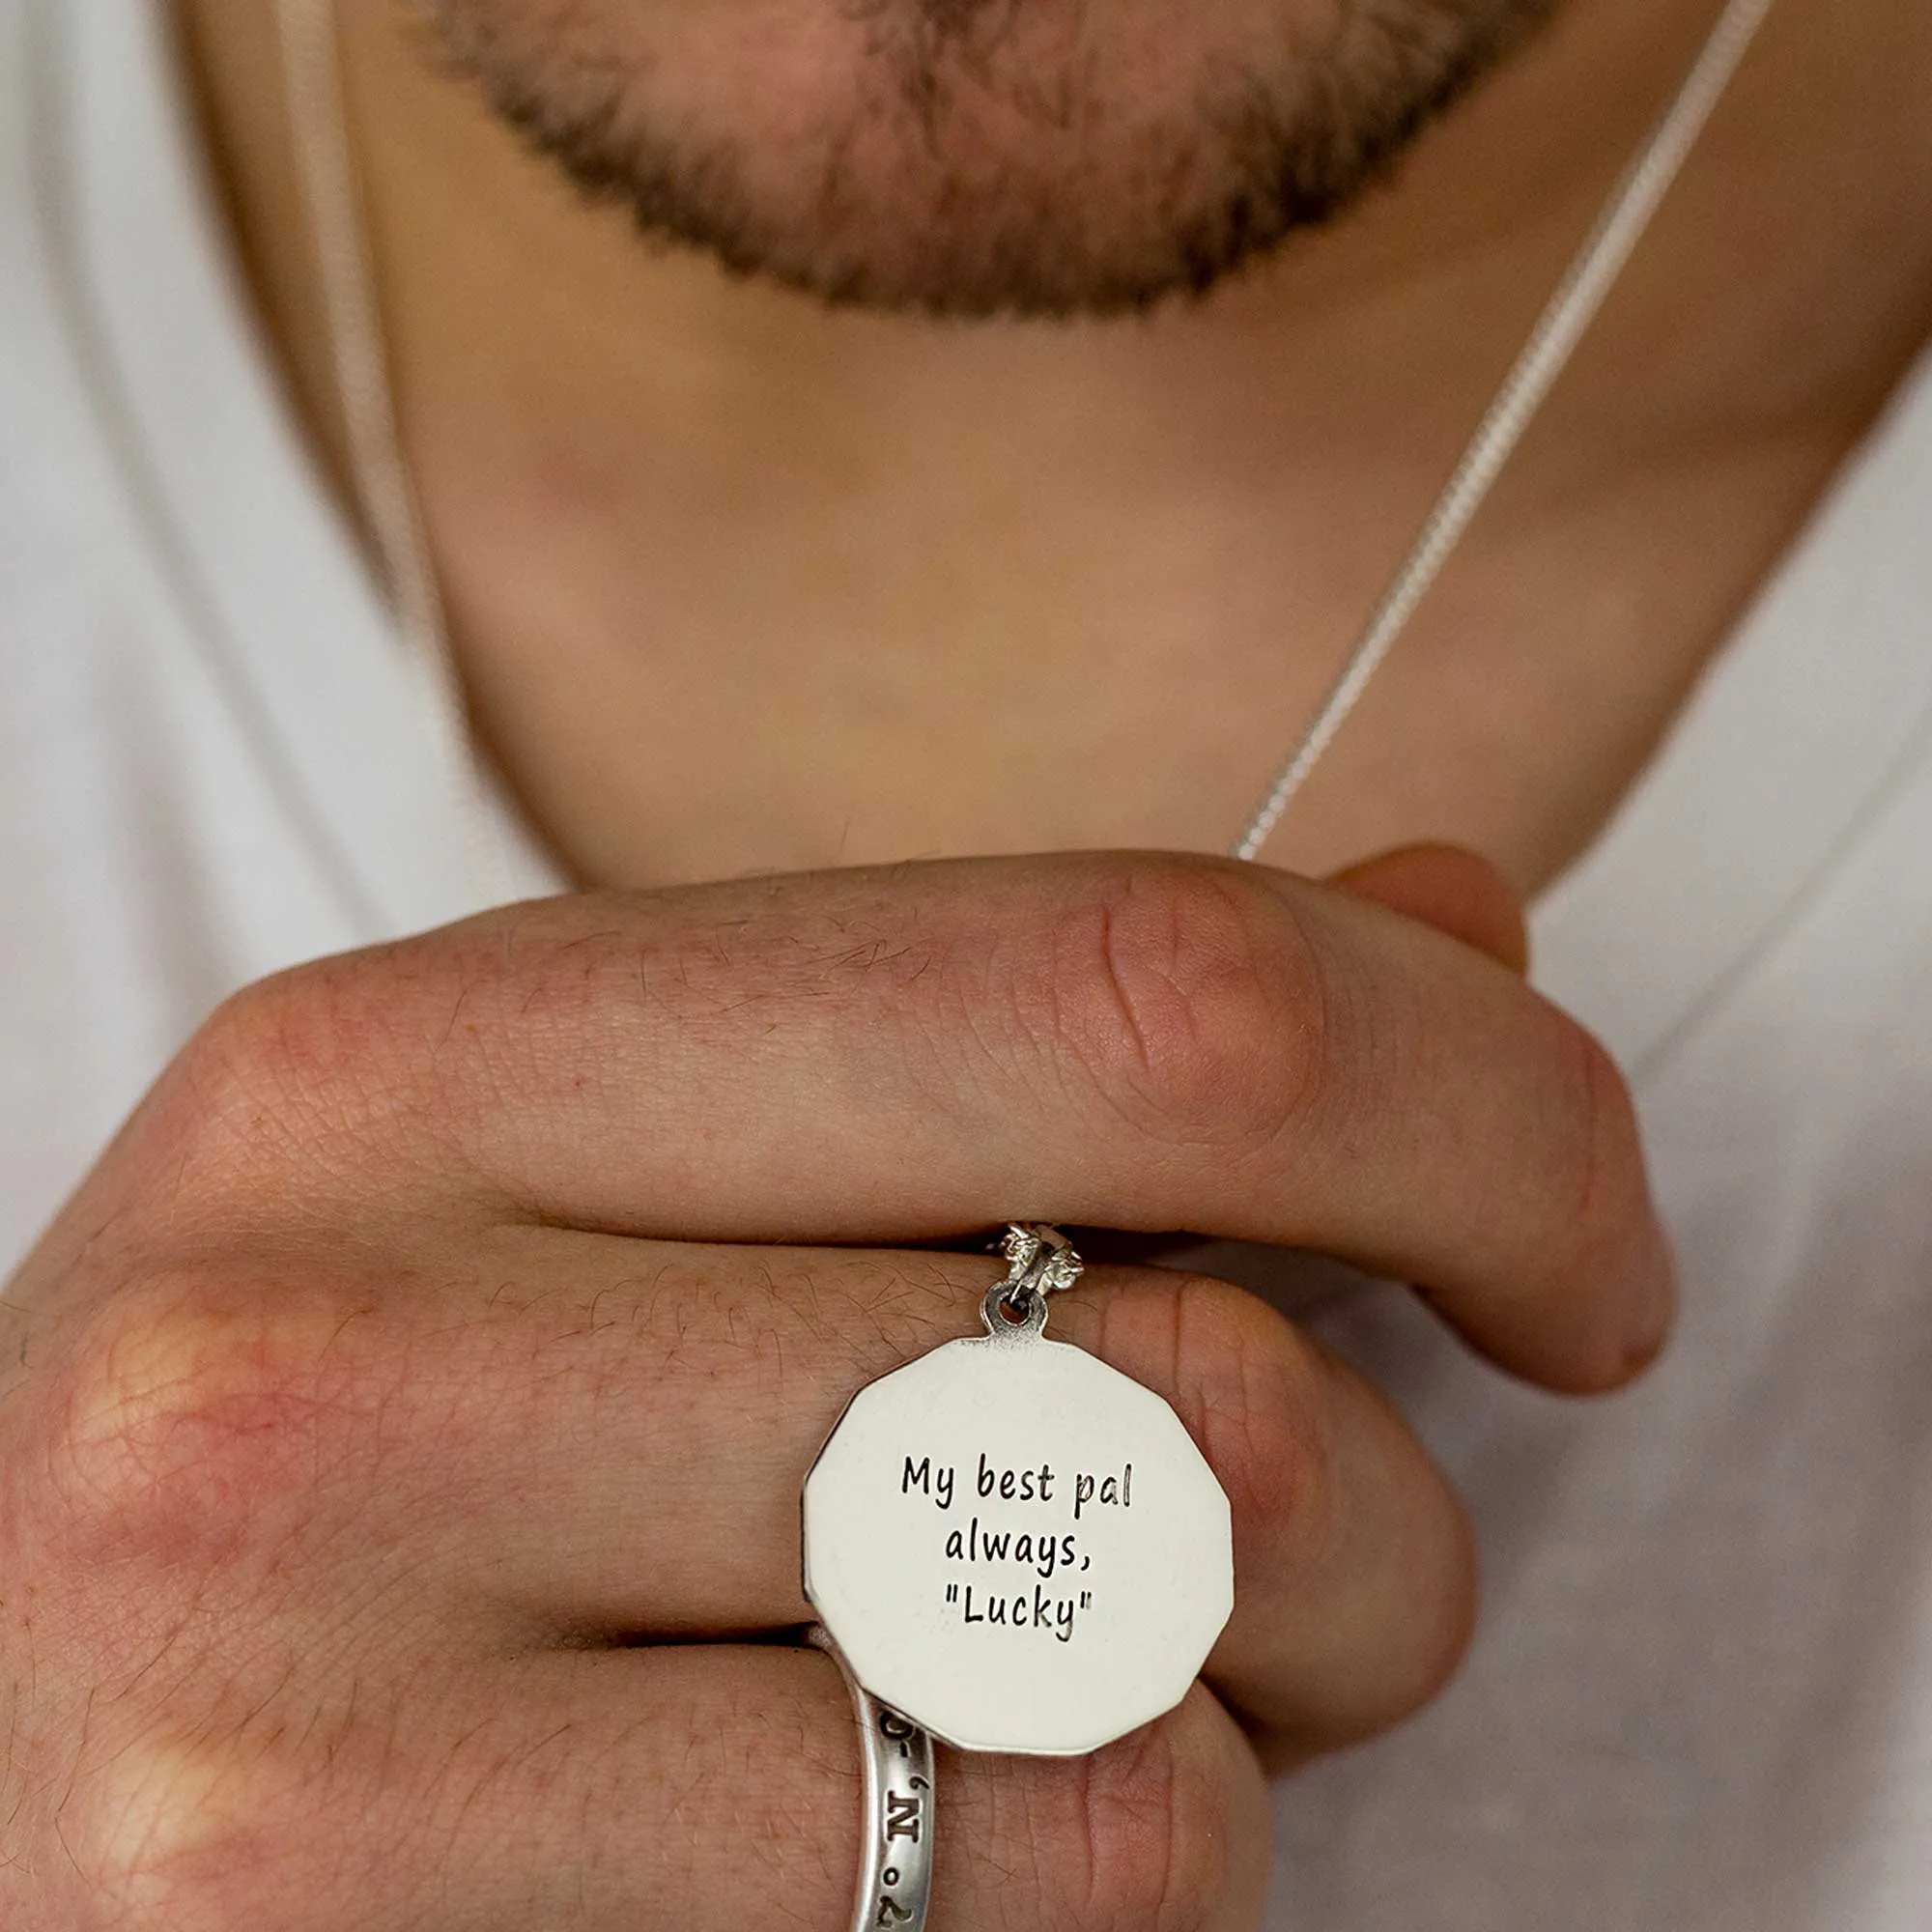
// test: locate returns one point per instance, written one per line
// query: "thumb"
(1450, 888)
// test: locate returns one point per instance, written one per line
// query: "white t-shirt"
(1702, 1695)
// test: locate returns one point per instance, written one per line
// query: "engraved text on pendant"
(1018, 1547)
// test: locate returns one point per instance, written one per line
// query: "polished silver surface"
(1040, 1260)
(896, 1848)
(1012, 1543)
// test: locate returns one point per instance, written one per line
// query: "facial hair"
(978, 157)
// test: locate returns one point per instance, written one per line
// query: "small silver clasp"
(1040, 1261)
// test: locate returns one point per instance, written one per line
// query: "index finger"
(1137, 1042)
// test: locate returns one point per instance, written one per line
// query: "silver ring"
(896, 1862)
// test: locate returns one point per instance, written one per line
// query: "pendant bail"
(1041, 1262)
(1016, 1547)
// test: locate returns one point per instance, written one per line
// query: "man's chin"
(974, 157)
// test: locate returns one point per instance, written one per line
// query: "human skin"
(409, 1359)
(401, 1432)
(979, 157)
(740, 583)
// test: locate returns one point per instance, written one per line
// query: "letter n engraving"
(901, 1818)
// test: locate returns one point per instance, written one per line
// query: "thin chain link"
(312, 61)
(1579, 297)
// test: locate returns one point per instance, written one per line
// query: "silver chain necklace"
(385, 486)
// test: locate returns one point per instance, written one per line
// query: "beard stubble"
(979, 158)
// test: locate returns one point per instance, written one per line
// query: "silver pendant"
(1013, 1545)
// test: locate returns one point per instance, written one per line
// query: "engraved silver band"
(895, 1859)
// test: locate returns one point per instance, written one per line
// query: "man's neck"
(737, 581)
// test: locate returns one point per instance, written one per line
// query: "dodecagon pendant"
(1018, 1547)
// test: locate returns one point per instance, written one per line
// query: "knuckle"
(165, 1834)
(185, 1409)
(1154, 1813)
(217, 1116)
(278, 1073)
(1190, 998)
(1254, 1394)
(1438, 1611)
(1266, 1407)
(260, 1045)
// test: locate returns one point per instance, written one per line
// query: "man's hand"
(399, 1475)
